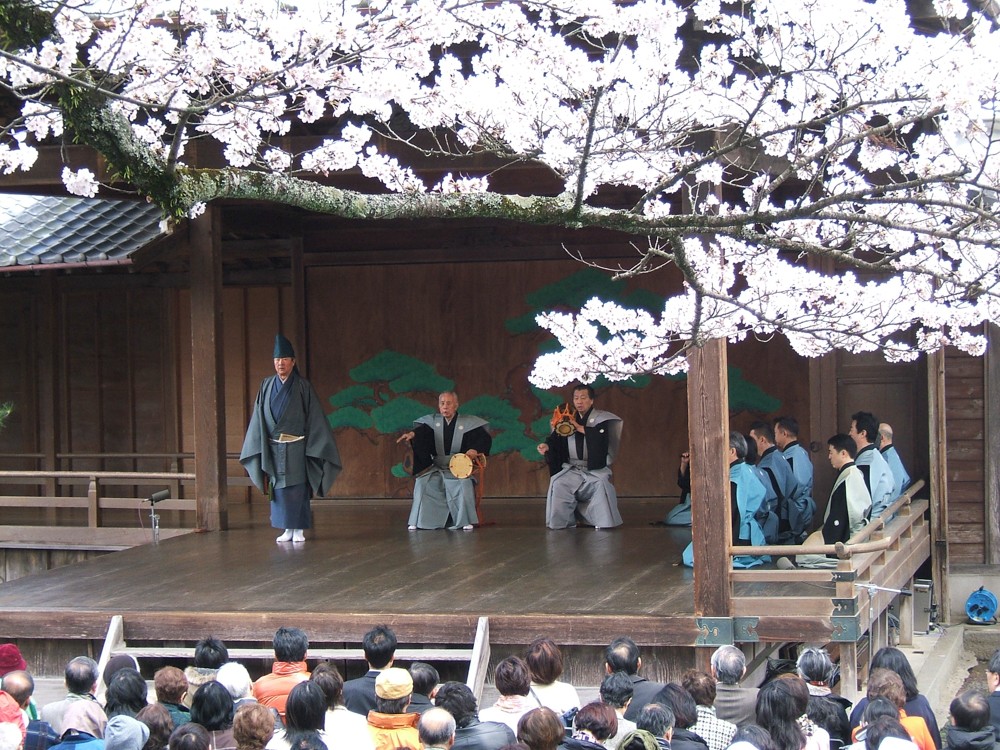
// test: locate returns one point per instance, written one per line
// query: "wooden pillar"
(48, 383)
(849, 671)
(991, 423)
(708, 431)
(208, 370)
(299, 303)
(906, 617)
(939, 479)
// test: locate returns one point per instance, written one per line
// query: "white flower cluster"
(82, 182)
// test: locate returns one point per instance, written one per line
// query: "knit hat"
(85, 716)
(393, 683)
(125, 733)
(11, 659)
(116, 663)
(648, 740)
(283, 347)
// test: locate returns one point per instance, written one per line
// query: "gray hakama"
(577, 492)
(438, 495)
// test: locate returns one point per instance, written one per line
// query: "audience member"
(351, 728)
(190, 737)
(545, 663)
(470, 733)
(830, 716)
(593, 725)
(970, 719)
(885, 683)
(157, 719)
(680, 702)
(875, 709)
(755, 736)
(11, 659)
(126, 694)
(83, 727)
(209, 654)
(716, 732)
(81, 684)
(732, 702)
(658, 720)
(815, 667)
(540, 729)
(816, 736)
(622, 655)
(390, 724)
(116, 663)
(10, 736)
(886, 733)
(253, 726)
(379, 645)
(515, 746)
(778, 712)
(212, 708)
(916, 704)
(38, 735)
(425, 679)
(235, 678)
(305, 716)
(616, 691)
(639, 739)
(993, 681)
(288, 670)
(125, 733)
(876, 472)
(513, 681)
(436, 729)
(171, 687)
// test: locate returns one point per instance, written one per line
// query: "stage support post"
(936, 416)
(711, 526)
(208, 370)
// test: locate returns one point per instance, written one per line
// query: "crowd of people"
(214, 705)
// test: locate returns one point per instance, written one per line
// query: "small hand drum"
(461, 466)
(565, 428)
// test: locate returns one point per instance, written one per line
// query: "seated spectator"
(815, 667)
(436, 729)
(658, 720)
(593, 725)
(288, 670)
(20, 686)
(171, 688)
(126, 694)
(513, 681)
(886, 733)
(616, 691)
(10, 736)
(209, 654)
(815, 735)
(351, 728)
(779, 710)
(680, 702)
(970, 719)
(11, 713)
(125, 733)
(540, 729)
(515, 746)
(425, 679)
(11, 659)
(157, 719)
(830, 715)
(379, 645)
(83, 727)
(470, 733)
(305, 717)
(622, 655)
(732, 702)
(916, 704)
(235, 678)
(545, 664)
(116, 663)
(885, 683)
(212, 708)
(81, 684)
(390, 724)
(875, 709)
(993, 683)
(253, 726)
(190, 737)
(752, 737)
(639, 739)
(716, 732)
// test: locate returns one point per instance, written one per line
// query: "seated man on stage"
(900, 479)
(440, 499)
(580, 467)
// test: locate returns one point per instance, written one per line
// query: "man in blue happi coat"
(795, 508)
(900, 478)
(289, 451)
(875, 470)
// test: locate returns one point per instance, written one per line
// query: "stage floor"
(360, 565)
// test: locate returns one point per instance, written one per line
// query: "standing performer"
(440, 499)
(289, 451)
(580, 466)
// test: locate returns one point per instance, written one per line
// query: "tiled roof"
(47, 230)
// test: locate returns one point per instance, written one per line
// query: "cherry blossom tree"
(823, 170)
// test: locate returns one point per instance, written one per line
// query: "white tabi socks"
(297, 536)
(286, 537)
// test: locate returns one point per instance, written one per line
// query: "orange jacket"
(394, 730)
(915, 726)
(272, 690)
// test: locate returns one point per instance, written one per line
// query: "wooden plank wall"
(964, 409)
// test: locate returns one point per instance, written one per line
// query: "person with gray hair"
(10, 736)
(440, 498)
(81, 683)
(235, 678)
(733, 702)
(815, 667)
(436, 729)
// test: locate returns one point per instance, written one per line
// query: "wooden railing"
(885, 554)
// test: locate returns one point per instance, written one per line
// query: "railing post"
(93, 504)
(906, 617)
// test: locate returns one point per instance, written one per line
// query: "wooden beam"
(939, 477)
(208, 370)
(991, 423)
(708, 429)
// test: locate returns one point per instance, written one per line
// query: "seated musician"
(440, 499)
(580, 466)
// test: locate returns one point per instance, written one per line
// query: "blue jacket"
(878, 477)
(900, 479)
(795, 507)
